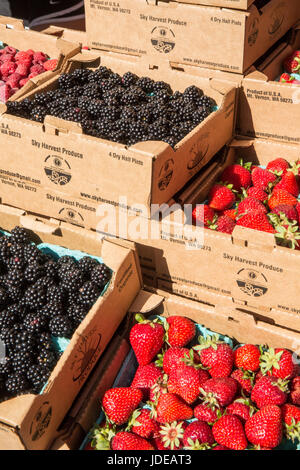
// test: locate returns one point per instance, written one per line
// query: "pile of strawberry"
(291, 69)
(200, 395)
(17, 67)
(264, 199)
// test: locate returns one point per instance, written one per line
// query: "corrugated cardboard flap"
(11, 23)
(13, 411)
(145, 302)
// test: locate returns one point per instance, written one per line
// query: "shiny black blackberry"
(129, 79)
(19, 235)
(5, 367)
(157, 130)
(86, 264)
(110, 113)
(137, 132)
(36, 322)
(128, 113)
(66, 81)
(17, 383)
(192, 93)
(50, 269)
(160, 85)
(88, 293)
(36, 295)
(25, 341)
(33, 272)
(92, 91)
(77, 313)
(7, 319)
(74, 92)
(47, 358)
(60, 325)
(94, 107)
(72, 279)
(146, 84)
(38, 113)
(38, 376)
(33, 255)
(15, 294)
(66, 260)
(51, 309)
(100, 275)
(44, 341)
(171, 140)
(15, 278)
(56, 294)
(21, 361)
(3, 297)
(81, 76)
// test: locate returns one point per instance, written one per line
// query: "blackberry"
(44, 341)
(92, 91)
(104, 127)
(206, 102)
(188, 111)
(36, 322)
(137, 132)
(36, 295)
(146, 84)
(95, 107)
(7, 319)
(192, 93)
(56, 294)
(17, 310)
(108, 84)
(100, 275)
(160, 85)
(5, 245)
(65, 260)
(60, 325)
(5, 367)
(72, 279)
(38, 113)
(89, 293)
(9, 335)
(51, 309)
(15, 278)
(77, 313)
(21, 361)
(38, 376)
(15, 108)
(17, 383)
(33, 255)
(86, 264)
(15, 294)
(110, 112)
(66, 81)
(171, 140)
(41, 100)
(84, 102)
(74, 92)
(157, 131)
(19, 235)
(158, 111)
(102, 72)
(25, 341)
(129, 78)
(74, 114)
(3, 298)
(50, 269)
(199, 115)
(47, 358)
(144, 115)
(128, 113)
(81, 75)
(122, 126)
(33, 272)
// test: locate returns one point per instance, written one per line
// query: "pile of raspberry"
(17, 67)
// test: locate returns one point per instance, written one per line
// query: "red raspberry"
(23, 82)
(50, 64)
(32, 75)
(39, 57)
(22, 56)
(30, 52)
(9, 50)
(7, 58)
(4, 93)
(14, 80)
(7, 68)
(22, 69)
(27, 62)
(37, 68)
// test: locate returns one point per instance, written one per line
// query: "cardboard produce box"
(57, 157)
(72, 35)
(32, 421)
(217, 38)
(235, 4)
(13, 33)
(267, 108)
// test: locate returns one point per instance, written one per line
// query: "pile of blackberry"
(40, 297)
(125, 109)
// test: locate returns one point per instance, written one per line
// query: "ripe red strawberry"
(257, 193)
(251, 204)
(119, 403)
(295, 391)
(206, 413)
(278, 362)
(202, 215)
(50, 64)
(291, 419)
(180, 331)
(142, 424)
(146, 339)
(247, 357)
(281, 196)
(289, 183)
(263, 179)
(128, 441)
(223, 224)
(171, 436)
(158, 388)
(145, 377)
(264, 428)
(186, 381)
(173, 357)
(171, 408)
(245, 380)
(216, 355)
(256, 220)
(196, 434)
(292, 64)
(240, 408)
(232, 213)
(220, 447)
(229, 431)
(219, 391)
(269, 391)
(221, 197)
(236, 175)
(278, 166)
(285, 210)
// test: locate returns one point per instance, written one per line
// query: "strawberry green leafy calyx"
(102, 436)
(277, 362)
(287, 233)
(171, 435)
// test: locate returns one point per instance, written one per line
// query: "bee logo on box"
(165, 174)
(58, 170)
(198, 152)
(72, 216)
(41, 421)
(252, 283)
(277, 19)
(163, 39)
(253, 32)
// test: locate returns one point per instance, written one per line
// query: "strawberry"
(285, 78)
(142, 424)
(295, 391)
(247, 357)
(245, 380)
(145, 377)
(124, 440)
(229, 431)
(186, 381)
(219, 391)
(278, 362)
(119, 403)
(241, 408)
(236, 175)
(220, 447)
(221, 197)
(173, 357)
(251, 204)
(171, 408)
(223, 224)
(281, 196)
(292, 64)
(264, 428)
(161, 386)
(291, 419)
(269, 391)
(50, 64)
(171, 436)
(279, 166)
(204, 412)
(180, 331)
(202, 215)
(216, 355)
(257, 193)
(232, 213)
(196, 434)
(289, 183)
(285, 211)
(146, 339)
(263, 179)
(256, 220)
